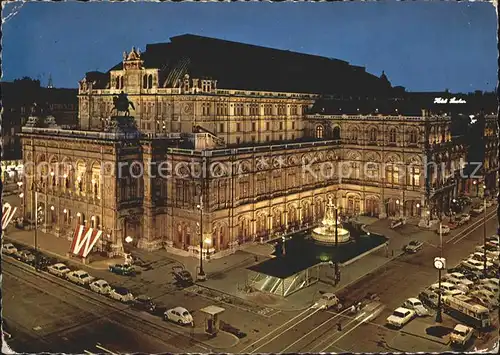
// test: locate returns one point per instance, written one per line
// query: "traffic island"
(421, 328)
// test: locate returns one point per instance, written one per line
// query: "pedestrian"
(339, 326)
(353, 308)
(358, 306)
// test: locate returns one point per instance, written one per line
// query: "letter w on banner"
(84, 239)
(7, 215)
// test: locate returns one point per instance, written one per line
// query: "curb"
(235, 342)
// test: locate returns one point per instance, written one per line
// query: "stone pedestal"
(149, 245)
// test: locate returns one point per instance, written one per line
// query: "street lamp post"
(439, 263)
(337, 273)
(201, 273)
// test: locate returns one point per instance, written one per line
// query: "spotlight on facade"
(418, 205)
(78, 214)
(19, 183)
(129, 239)
(21, 195)
(65, 210)
(51, 208)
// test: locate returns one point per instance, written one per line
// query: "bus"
(465, 310)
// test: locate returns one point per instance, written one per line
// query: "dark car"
(413, 246)
(122, 269)
(182, 276)
(26, 256)
(145, 303)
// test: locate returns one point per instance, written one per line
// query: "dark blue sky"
(423, 46)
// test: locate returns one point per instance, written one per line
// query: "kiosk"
(212, 319)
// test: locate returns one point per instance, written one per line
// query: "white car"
(178, 315)
(491, 251)
(461, 334)
(479, 256)
(121, 294)
(328, 300)
(447, 287)
(100, 286)
(488, 287)
(9, 249)
(416, 305)
(80, 277)
(58, 269)
(465, 218)
(475, 264)
(400, 317)
(492, 281)
(457, 277)
(444, 229)
(490, 297)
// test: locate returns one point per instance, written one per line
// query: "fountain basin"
(326, 235)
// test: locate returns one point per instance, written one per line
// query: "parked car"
(178, 315)
(80, 277)
(475, 264)
(26, 256)
(458, 285)
(400, 317)
(444, 229)
(483, 301)
(491, 251)
(182, 276)
(489, 203)
(457, 277)
(328, 300)
(493, 237)
(447, 288)
(491, 297)
(454, 224)
(416, 305)
(9, 249)
(429, 298)
(413, 246)
(465, 218)
(465, 199)
(398, 222)
(476, 211)
(145, 303)
(488, 287)
(122, 269)
(100, 286)
(492, 280)
(58, 269)
(461, 334)
(121, 294)
(479, 256)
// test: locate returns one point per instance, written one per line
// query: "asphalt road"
(52, 316)
(44, 316)
(405, 277)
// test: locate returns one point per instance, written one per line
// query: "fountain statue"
(325, 234)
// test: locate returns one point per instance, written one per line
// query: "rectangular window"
(293, 125)
(267, 139)
(293, 137)
(253, 139)
(281, 137)
(268, 126)
(221, 128)
(281, 126)
(254, 127)
(238, 127)
(238, 140)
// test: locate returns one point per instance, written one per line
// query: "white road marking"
(491, 217)
(286, 330)
(332, 335)
(99, 346)
(473, 226)
(350, 330)
(271, 332)
(314, 329)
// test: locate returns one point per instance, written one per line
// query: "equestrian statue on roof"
(121, 104)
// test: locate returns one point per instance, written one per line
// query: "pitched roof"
(250, 67)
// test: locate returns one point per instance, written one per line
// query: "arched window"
(150, 81)
(354, 134)
(117, 84)
(336, 132)
(145, 82)
(319, 131)
(373, 135)
(392, 135)
(121, 82)
(413, 136)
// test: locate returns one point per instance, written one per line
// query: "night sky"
(423, 46)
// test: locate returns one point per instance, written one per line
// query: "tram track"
(99, 307)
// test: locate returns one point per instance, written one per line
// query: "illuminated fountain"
(326, 233)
